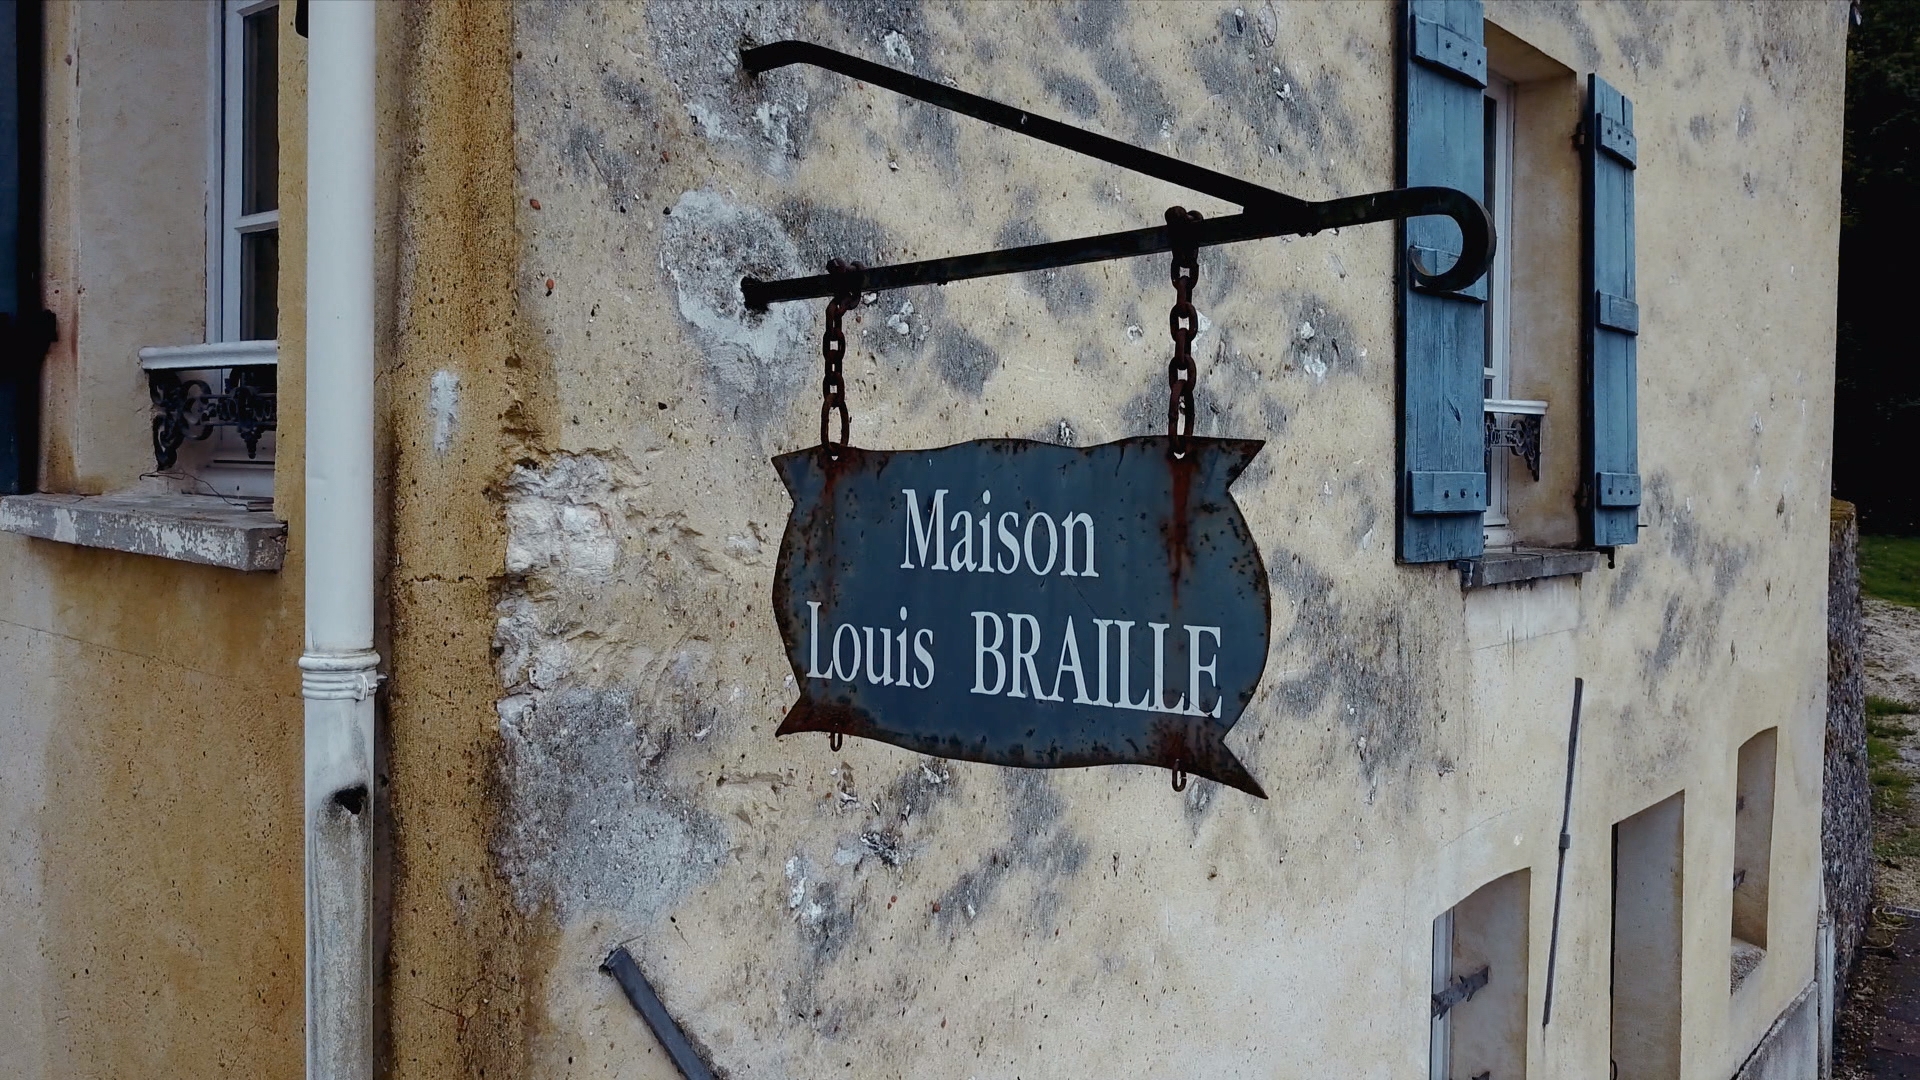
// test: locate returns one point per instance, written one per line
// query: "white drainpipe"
(338, 670)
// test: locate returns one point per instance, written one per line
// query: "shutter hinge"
(1440, 46)
(1460, 989)
(1580, 135)
(1446, 492)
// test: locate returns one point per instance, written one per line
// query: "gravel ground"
(1892, 649)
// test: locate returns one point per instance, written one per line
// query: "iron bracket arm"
(1265, 212)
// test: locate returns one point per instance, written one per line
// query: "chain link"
(1183, 322)
(833, 348)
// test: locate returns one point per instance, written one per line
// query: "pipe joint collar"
(338, 676)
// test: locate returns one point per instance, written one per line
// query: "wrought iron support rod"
(1266, 212)
(1253, 225)
(620, 964)
(1566, 841)
(1186, 174)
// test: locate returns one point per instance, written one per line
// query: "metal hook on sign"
(834, 739)
(1179, 776)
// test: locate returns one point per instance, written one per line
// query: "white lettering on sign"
(1011, 650)
(1006, 544)
(846, 664)
(1016, 641)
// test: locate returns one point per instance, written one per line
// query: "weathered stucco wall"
(150, 776)
(584, 521)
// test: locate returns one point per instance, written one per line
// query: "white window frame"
(227, 224)
(1498, 372)
(220, 466)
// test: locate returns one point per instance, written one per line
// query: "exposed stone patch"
(558, 518)
(443, 406)
(592, 823)
(755, 359)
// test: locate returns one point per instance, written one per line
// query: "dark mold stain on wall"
(894, 33)
(1364, 661)
(1694, 619)
(1093, 26)
(964, 360)
(1568, 14)
(1075, 93)
(1303, 125)
(1067, 290)
(1038, 843)
(594, 822)
(1644, 45)
(823, 233)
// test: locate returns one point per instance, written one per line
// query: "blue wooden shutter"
(19, 251)
(1443, 482)
(1611, 451)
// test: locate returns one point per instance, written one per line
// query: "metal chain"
(833, 348)
(1184, 324)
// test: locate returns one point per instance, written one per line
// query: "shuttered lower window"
(1443, 336)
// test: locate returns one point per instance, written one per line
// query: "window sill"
(190, 528)
(213, 354)
(1524, 564)
(1746, 957)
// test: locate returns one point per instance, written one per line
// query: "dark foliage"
(1877, 405)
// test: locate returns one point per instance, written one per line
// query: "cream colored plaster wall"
(150, 746)
(582, 414)
(127, 87)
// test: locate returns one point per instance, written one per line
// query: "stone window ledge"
(191, 528)
(1524, 564)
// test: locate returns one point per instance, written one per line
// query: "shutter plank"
(19, 367)
(1611, 323)
(1442, 335)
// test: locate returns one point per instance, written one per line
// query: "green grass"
(1904, 844)
(1891, 786)
(1879, 707)
(1890, 568)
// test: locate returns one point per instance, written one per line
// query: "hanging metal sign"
(1027, 604)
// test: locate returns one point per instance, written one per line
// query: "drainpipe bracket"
(338, 676)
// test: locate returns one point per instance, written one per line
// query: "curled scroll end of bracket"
(1477, 245)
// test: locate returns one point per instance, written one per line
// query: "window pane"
(260, 112)
(260, 285)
